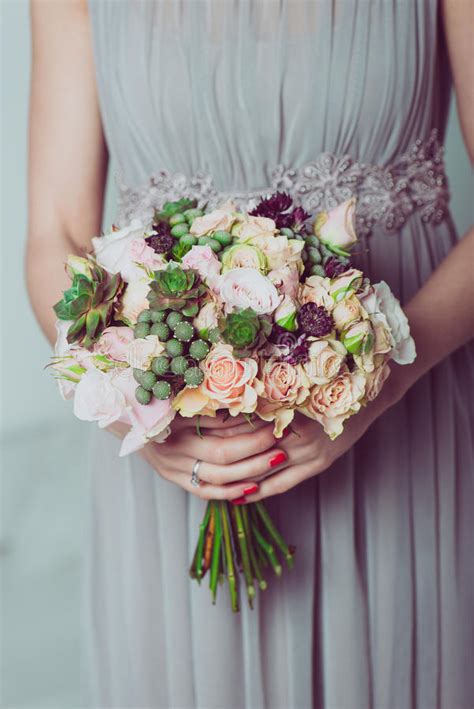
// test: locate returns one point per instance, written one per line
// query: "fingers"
(249, 469)
(222, 451)
(279, 483)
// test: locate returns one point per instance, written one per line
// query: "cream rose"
(346, 284)
(254, 227)
(286, 279)
(331, 404)
(243, 288)
(218, 220)
(336, 228)
(316, 290)
(134, 300)
(206, 319)
(375, 381)
(142, 350)
(326, 358)
(346, 312)
(279, 251)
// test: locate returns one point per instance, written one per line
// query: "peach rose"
(316, 290)
(331, 404)
(326, 358)
(229, 381)
(280, 387)
(218, 220)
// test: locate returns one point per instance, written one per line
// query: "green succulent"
(243, 328)
(176, 289)
(89, 303)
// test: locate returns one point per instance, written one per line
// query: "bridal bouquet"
(261, 314)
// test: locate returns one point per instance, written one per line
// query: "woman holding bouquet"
(378, 608)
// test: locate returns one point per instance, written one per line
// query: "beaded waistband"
(386, 196)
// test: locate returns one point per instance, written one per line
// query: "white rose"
(243, 288)
(134, 300)
(316, 290)
(404, 350)
(142, 350)
(112, 250)
(97, 399)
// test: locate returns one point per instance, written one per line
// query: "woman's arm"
(67, 152)
(67, 171)
(441, 314)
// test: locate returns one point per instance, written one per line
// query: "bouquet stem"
(235, 539)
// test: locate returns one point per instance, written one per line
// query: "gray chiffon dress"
(323, 99)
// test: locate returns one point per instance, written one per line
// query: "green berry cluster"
(178, 366)
(315, 256)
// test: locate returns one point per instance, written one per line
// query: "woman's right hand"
(234, 455)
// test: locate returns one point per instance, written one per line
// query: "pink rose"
(247, 288)
(203, 260)
(229, 381)
(331, 404)
(114, 343)
(218, 220)
(150, 422)
(141, 258)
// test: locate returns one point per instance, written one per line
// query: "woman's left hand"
(310, 451)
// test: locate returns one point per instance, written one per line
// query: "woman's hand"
(233, 454)
(310, 451)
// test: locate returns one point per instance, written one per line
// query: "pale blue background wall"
(42, 502)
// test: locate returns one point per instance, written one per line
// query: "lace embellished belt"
(386, 196)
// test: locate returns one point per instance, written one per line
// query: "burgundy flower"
(299, 217)
(333, 267)
(272, 207)
(314, 320)
(298, 353)
(162, 241)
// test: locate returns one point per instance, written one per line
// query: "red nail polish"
(278, 459)
(286, 432)
(239, 501)
(250, 490)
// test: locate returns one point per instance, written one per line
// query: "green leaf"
(76, 329)
(62, 310)
(79, 306)
(92, 323)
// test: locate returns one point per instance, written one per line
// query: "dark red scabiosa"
(298, 353)
(162, 241)
(314, 320)
(334, 267)
(271, 207)
(299, 218)
(293, 345)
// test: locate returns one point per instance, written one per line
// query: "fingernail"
(277, 459)
(239, 501)
(251, 489)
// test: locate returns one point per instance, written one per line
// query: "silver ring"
(195, 480)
